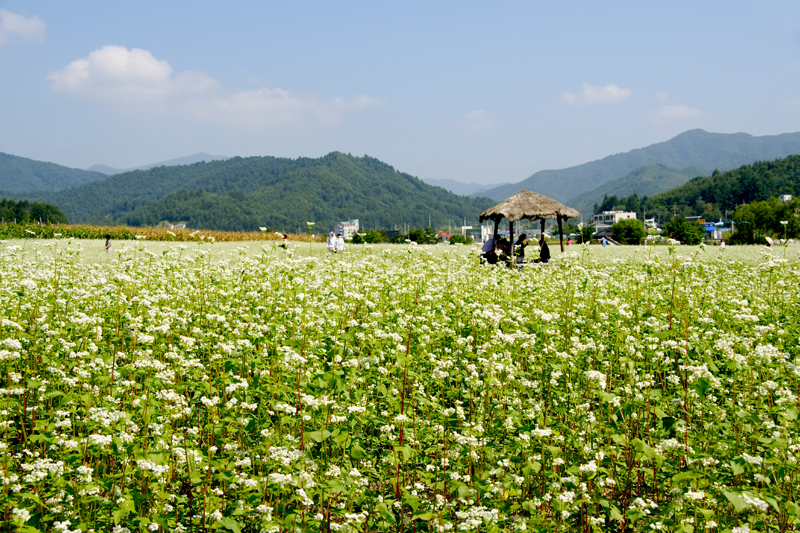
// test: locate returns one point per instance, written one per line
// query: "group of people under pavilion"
(523, 205)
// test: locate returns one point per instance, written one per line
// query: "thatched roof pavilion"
(533, 206)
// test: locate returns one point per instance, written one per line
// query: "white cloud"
(477, 120)
(115, 75)
(597, 95)
(672, 113)
(25, 28)
(662, 95)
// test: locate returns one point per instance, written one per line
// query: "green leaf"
(318, 436)
(357, 452)
(405, 451)
(230, 524)
(737, 465)
(385, 513)
(615, 514)
(684, 476)
(792, 508)
(642, 447)
(531, 467)
(422, 516)
(701, 386)
(737, 501)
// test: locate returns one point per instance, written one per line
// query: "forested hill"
(644, 181)
(20, 174)
(749, 183)
(700, 148)
(279, 193)
(714, 195)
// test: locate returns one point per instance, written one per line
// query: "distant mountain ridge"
(700, 148)
(280, 193)
(459, 187)
(187, 160)
(19, 174)
(644, 181)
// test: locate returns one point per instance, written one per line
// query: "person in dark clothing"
(488, 253)
(505, 251)
(544, 251)
(519, 248)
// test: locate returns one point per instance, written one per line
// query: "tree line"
(24, 212)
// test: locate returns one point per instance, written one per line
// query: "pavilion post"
(542, 236)
(496, 227)
(560, 233)
(511, 238)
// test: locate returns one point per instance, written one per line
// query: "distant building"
(347, 229)
(606, 219)
(785, 198)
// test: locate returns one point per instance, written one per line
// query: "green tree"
(685, 231)
(586, 232)
(422, 235)
(629, 231)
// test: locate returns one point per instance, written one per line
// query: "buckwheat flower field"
(398, 388)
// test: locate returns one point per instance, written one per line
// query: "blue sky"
(484, 92)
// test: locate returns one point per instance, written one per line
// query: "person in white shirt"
(339, 243)
(332, 243)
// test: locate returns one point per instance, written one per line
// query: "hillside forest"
(247, 193)
(747, 194)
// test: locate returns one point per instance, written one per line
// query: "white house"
(347, 229)
(606, 219)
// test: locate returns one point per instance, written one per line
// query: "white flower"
(696, 496)
(21, 516)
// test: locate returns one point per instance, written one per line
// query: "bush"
(370, 237)
(586, 232)
(685, 231)
(461, 239)
(629, 231)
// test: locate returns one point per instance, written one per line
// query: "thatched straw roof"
(531, 205)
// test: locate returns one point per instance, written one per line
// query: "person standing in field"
(339, 243)
(519, 248)
(108, 243)
(332, 243)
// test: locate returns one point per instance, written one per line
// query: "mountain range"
(245, 193)
(459, 187)
(714, 151)
(188, 160)
(279, 193)
(644, 181)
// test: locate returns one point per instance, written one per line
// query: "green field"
(233, 387)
